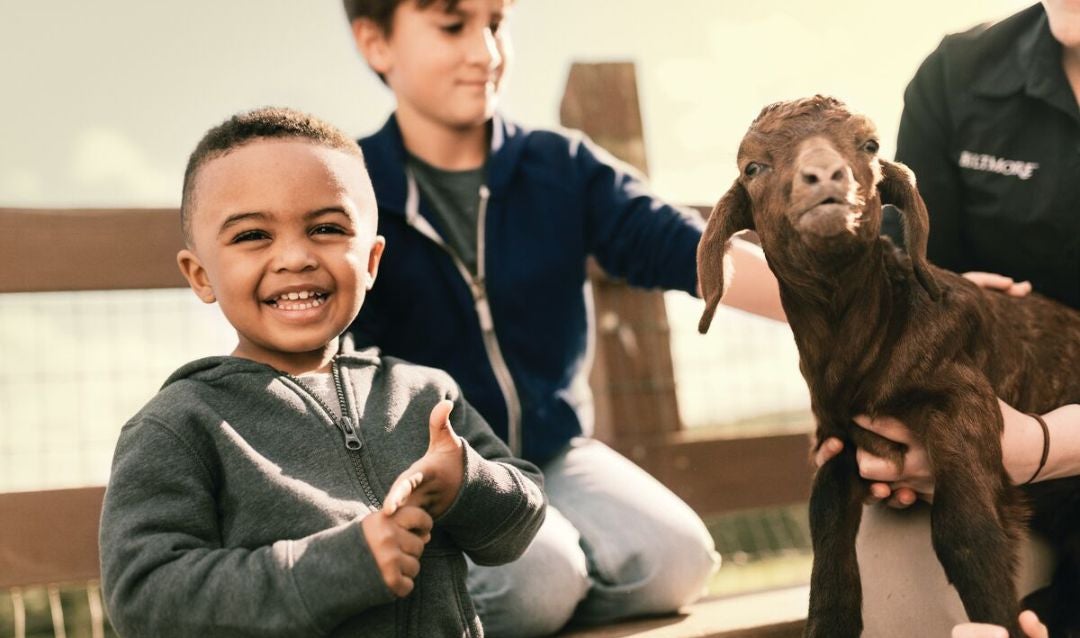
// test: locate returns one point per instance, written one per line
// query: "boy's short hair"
(381, 12)
(243, 128)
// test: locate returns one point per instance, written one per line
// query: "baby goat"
(884, 333)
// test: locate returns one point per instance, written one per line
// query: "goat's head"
(812, 185)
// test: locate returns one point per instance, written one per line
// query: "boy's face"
(283, 238)
(444, 67)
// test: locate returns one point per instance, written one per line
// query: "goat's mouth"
(829, 217)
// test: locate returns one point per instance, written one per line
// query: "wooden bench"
(49, 539)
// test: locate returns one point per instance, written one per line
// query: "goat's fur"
(881, 332)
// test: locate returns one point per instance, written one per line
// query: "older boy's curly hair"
(242, 128)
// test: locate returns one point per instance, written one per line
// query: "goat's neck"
(852, 307)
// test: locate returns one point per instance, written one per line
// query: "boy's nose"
(485, 50)
(294, 256)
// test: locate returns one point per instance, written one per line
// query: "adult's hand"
(1021, 444)
(1029, 624)
(1001, 283)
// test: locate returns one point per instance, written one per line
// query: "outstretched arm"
(753, 287)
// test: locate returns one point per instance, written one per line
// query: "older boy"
(249, 497)
(491, 225)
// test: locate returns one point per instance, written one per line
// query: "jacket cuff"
(491, 498)
(336, 575)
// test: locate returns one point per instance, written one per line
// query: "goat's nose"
(823, 170)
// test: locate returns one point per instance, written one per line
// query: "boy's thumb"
(440, 422)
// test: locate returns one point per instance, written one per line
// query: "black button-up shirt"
(991, 129)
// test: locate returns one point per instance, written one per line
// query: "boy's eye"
(494, 26)
(324, 229)
(453, 28)
(249, 235)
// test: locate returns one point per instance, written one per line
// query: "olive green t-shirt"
(455, 200)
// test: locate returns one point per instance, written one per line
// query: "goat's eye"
(753, 168)
(871, 146)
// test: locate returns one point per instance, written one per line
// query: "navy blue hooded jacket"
(517, 335)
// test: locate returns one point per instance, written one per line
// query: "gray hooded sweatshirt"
(234, 505)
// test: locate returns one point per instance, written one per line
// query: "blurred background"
(103, 101)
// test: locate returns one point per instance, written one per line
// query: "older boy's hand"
(433, 482)
(1001, 283)
(396, 541)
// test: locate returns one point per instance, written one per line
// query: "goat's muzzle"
(823, 191)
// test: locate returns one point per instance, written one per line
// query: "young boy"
(250, 496)
(492, 224)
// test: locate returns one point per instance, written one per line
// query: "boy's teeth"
(283, 301)
(293, 296)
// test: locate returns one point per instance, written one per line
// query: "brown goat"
(884, 333)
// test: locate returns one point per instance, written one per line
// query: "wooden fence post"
(633, 380)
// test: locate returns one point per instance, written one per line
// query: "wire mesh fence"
(77, 365)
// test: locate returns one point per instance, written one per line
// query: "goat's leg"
(977, 514)
(835, 511)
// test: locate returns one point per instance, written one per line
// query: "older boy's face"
(283, 238)
(447, 67)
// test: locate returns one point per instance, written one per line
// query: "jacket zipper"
(353, 443)
(478, 287)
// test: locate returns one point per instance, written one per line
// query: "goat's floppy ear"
(730, 215)
(897, 187)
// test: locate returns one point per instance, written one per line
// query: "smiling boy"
(250, 496)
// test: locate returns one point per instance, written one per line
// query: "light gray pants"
(905, 591)
(616, 543)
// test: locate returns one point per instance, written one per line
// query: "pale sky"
(103, 100)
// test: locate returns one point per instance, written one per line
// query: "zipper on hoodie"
(353, 443)
(477, 285)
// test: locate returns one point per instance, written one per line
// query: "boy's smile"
(283, 238)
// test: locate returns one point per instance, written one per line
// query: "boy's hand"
(433, 482)
(396, 542)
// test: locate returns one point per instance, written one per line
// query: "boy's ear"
(196, 276)
(373, 260)
(372, 44)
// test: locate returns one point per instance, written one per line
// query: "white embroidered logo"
(999, 165)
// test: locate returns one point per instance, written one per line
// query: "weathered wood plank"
(49, 536)
(44, 250)
(633, 379)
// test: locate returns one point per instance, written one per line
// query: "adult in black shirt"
(991, 128)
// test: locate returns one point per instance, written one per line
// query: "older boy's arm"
(632, 233)
(165, 572)
(501, 505)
